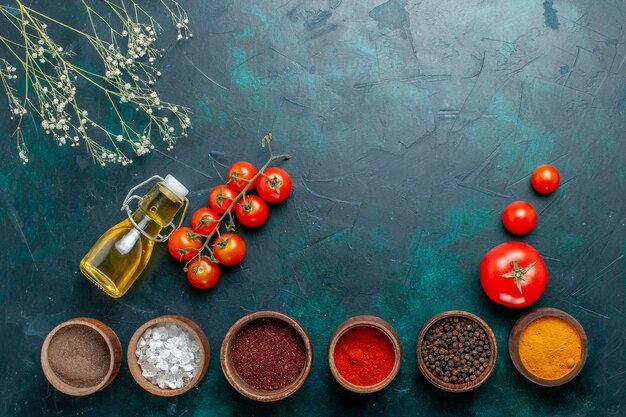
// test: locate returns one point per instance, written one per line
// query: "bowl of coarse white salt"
(168, 355)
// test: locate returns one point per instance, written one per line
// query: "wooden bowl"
(523, 322)
(466, 386)
(194, 330)
(238, 383)
(115, 352)
(382, 326)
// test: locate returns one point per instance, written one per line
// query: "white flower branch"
(130, 71)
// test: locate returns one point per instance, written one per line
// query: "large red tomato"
(513, 274)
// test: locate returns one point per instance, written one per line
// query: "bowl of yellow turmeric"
(548, 347)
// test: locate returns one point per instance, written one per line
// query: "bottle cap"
(175, 186)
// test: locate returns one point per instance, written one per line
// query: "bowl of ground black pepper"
(266, 356)
(364, 354)
(81, 356)
(456, 351)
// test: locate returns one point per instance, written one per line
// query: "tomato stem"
(518, 274)
(265, 142)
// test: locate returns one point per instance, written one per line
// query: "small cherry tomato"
(202, 273)
(519, 217)
(184, 243)
(221, 197)
(204, 220)
(229, 249)
(274, 185)
(239, 175)
(513, 274)
(252, 211)
(545, 179)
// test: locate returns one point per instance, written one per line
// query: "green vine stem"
(265, 142)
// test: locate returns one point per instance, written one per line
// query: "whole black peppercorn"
(456, 350)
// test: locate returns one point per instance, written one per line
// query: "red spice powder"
(364, 356)
(268, 354)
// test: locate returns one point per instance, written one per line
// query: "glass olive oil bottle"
(122, 252)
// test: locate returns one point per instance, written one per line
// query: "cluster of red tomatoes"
(513, 273)
(273, 185)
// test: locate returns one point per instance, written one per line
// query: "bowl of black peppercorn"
(456, 351)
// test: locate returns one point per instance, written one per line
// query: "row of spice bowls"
(267, 355)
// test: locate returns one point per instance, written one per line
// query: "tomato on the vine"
(274, 185)
(240, 174)
(204, 220)
(519, 217)
(513, 274)
(545, 179)
(252, 211)
(229, 249)
(202, 273)
(184, 243)
(221, 197)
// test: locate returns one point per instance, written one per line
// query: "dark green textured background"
(412, 124)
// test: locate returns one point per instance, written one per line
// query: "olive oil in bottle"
(122, 252)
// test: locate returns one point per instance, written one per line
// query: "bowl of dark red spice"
(456, 351)
(81, 356)
(364, 354)
(168, 355)
(266, 356)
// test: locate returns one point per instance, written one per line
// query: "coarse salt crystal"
(167, 356)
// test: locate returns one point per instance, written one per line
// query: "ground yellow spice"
(550, 348)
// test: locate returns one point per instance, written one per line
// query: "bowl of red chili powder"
(364, 354)
(266, 356)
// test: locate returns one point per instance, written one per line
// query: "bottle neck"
(146, 223)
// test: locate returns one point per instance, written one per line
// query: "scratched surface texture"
(411, 125)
